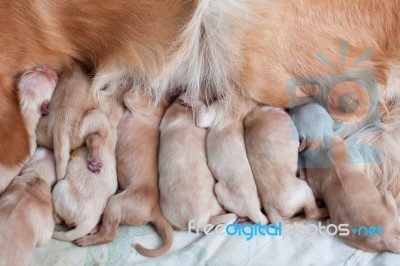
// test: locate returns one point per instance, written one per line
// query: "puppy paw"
(83, 242)
(95, 165)
(185, 101)
(94, 230)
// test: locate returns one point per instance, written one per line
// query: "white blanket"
(215, 249)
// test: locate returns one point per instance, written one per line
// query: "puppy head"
(36, 88)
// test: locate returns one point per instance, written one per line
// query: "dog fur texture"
(26, 210)
(137, 158)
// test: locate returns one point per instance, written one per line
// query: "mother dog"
(227, 49)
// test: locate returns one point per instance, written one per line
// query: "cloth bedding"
(298, 248)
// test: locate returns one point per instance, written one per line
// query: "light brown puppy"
(192, 44)
(186, 184)
(116, 34)
(272, 146)
(35, 89)
(137, 157)
(352, 199)
(335, 178)
(73, 117)
(80, 198)
(26, 211)
(226, 156)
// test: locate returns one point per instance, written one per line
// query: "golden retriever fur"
(272, 147)
(137, 171)
(79, 199)
(26, 210)
(35, 89)
(73, 117)
(224, 48)
(364, 207)
(235, 188)
(332, 171)
(183, 172)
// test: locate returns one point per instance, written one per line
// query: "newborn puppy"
(26, 212)
(350, 196)
(186, 184)
(137, 156)
(35, 88)
(226, 154)
(272, 146)
(80, 198)
(73, 117)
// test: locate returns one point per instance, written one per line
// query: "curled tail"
(166, 232)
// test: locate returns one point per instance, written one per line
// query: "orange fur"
(162, 43)
(133, 35)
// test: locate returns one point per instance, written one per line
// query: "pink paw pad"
(95, 165)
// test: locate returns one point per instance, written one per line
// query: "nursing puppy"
(73, 117)
(113, 35)
(137, 157)
(272, 146)
(177, 46)
(226, 156)
(35, 89)
(185, 182)
(349, 195)
(26, 211)
(80, 198)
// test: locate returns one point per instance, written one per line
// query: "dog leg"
(94, 143)
(94, 129)
(110, 224)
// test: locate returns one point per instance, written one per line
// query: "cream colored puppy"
(80, 198)
(186, 184)
(73, 116)
(349, 195)
(137, 157)
(352, 199)
(226, 155)
(272, 145)
(35, 89)
(26, 211)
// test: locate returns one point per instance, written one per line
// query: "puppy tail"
(166, 232)
(80, 231)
